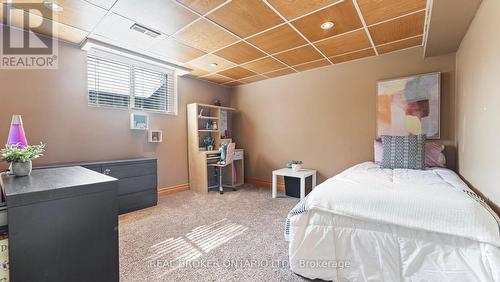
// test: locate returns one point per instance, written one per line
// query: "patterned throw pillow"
(404, 152)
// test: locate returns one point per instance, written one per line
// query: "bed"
(374, 224)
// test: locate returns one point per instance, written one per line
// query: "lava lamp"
(16, 133)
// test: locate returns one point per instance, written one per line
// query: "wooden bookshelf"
(197, 131)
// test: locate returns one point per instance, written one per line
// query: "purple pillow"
(434, 156)
(378, 149)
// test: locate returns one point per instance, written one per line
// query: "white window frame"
(146, 65)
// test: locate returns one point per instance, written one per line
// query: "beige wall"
(55, 111)
(448, 24)
(478, 101)
(327, 117)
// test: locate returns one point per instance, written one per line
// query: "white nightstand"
(302, 174)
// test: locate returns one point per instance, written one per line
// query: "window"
(128, 84)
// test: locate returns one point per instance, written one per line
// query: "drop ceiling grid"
(277, 70)
(398, 17)
(234, 34)
(399, 49)
(112, 9)
(240, 39)
(296, 30)
(200, 16)
(365, 28)
(351, 52)
(172, 36)
(373, 47)
(403, 39)
(313, 61)
(288, 22)
(109, 12)
(360, 15)
(343, 54)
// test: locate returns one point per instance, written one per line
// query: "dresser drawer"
(238, 155)
(136, 187)
(137, 201)
(129, 170)
(136, 184)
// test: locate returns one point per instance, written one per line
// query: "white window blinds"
(108, 82)
(124, 85)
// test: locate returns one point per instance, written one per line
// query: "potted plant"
(20, 158)
(209, 143)
(296, 165)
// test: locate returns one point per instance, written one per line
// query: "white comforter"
(422, 224)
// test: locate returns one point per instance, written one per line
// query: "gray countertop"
(51, 183)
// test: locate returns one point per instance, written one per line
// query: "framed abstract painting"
(409, 106)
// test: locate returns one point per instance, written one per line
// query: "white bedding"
(394, 225)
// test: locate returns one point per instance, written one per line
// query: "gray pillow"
(404, 152)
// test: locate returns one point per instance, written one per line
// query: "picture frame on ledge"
(155, 136)
(139, 121)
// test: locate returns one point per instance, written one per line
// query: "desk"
(302, 174)
(238, 165)
(199, 176)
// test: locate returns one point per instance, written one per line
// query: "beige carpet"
(237, 236)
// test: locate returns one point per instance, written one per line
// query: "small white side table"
(302, 174)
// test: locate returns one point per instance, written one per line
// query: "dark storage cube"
(63, 226)
(292, 186)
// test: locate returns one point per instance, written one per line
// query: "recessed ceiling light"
(327, 25)
(213, 65)
(53, 6)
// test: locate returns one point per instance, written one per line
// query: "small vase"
(296, 167)
(22, 169)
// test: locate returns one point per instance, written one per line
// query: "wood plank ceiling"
(233, 42)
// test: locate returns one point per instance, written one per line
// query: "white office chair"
(228, 161)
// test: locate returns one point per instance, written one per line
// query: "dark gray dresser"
(62, 225)
(137, 180)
